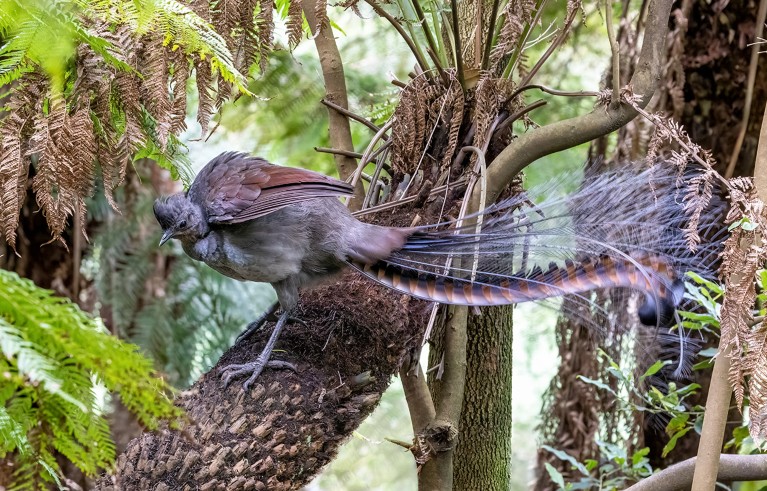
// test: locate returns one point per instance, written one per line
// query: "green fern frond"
(12, 434)
(184, 27)
(55, 356)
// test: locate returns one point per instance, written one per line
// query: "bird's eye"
(182, 224)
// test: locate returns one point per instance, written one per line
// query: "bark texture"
(482, 456)
(280, 433)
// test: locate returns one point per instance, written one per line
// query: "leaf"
(677, 423)
(639, 456)
(564, 456)
(654, 368)
(672, 442)
(598, 384)
(555, 475)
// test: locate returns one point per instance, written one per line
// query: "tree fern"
(101, 82)
(54, 358)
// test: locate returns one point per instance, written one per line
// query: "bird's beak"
(166, 236)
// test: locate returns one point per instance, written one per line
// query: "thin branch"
(490, 35)
(450, 402)
(720, 391)
(558, 136)
(519, 114)
(552, 47)
(680, 475)
(457, 41)
(419, 401)
(714, 423)
(335, 151)
(760, 168)
(351, 115)
(549, 90)
(760, 18)
(332, 65)
(616, 63)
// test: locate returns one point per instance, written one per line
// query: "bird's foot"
(253, 368)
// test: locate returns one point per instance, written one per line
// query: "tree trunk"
(482, 456)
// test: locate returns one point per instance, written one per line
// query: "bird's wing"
(236, 187)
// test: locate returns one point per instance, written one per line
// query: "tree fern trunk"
(483, 455)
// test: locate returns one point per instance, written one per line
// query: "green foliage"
(56, 360)
(201, 314)
(46, 33)
(617, 469)
(629, 391)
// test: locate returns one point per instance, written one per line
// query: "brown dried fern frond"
(744, 255)
(14, 161)
(517, 15)
(454, 104)
(492, 96)
(295, 23)
(205, 98)
(409, 125)
(180, 74)
(321, 12)
(155, 89)
(52, 168)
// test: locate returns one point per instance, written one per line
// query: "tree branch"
(731, 468)
(714, 423)
(355, 117)
(551, 138)
(443, 430)
(335, 92)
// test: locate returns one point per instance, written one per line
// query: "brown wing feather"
(236, 187)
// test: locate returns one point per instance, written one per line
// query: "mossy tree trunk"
(483, 454)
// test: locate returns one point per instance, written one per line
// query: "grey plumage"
(254, 221)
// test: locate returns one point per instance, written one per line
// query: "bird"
(255, 221)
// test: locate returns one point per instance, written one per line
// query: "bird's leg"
(258, 323)
(255, 368)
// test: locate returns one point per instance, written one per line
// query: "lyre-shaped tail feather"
(650, 274)
(621, 229)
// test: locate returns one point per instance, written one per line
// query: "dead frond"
(742, 258)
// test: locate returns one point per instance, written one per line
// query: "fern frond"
(54, 354)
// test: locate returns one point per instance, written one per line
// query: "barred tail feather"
(647, 273)
(621, 229)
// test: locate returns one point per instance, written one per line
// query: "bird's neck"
(201, 228)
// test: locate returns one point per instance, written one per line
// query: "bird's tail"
(621, 229)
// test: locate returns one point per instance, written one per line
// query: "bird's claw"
(253, 368)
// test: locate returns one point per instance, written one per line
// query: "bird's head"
(179, 218)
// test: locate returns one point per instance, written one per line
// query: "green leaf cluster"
(617, 470)
(56, 367)
(46, 33)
